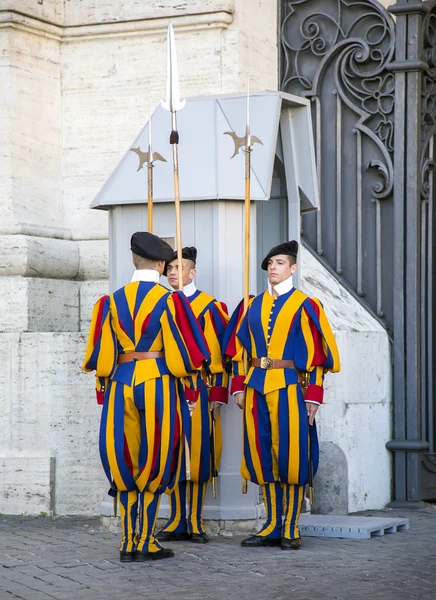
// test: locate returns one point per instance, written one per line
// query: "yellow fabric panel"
(265, 315)
(273, 409)
(173, 357)
(294, 435)
(216, 364)
(308, 338)
(218, 440)
(127, 344)
(293, 510)
(251, 434)
(127, 526)
(329, 337)
(200, 302)
(110, 442)
(150, 412)
(107, 356)
(132, 429)
(145, 370)
(91, 335)
(164, 434)
(271, 509)
(319, 373)
(195, 446)
(147, 306)
(279, 335)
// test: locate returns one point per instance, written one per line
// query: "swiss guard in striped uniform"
(287, 337)
(141, 341)
(187, 498)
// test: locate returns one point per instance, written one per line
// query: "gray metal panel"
(207, 170)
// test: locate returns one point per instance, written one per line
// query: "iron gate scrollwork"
(372, 82)
(428, 245)
(336, 52)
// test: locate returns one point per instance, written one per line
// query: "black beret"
(188, 252)
(287, 248)
(150, 246)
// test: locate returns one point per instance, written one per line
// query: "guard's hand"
(215, 409)
(191, 405)
(312, 409)
(239, 399)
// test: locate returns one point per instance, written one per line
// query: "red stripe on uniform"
(127, 456)
(319, 355)
(231, 346)
(185, 329)
(98, 323)
(256, 428)
(156, 442)
(145, 323)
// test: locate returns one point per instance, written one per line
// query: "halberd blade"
(173, 102)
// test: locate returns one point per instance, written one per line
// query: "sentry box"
(283, 186)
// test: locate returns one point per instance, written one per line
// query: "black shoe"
(256, 541)
(170, 536)
(127, 556)
(199, 538)
(287, 544)
(159, 555)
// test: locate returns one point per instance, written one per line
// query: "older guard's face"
(188, 273)
(279, 269)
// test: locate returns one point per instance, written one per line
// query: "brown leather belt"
(133, 356)
(271, 363)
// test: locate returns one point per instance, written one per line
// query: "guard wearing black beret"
(290, 346)
(187, 498)
(139, 354)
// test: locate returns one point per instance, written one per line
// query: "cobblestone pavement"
(74, 558)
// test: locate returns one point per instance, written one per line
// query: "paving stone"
(71, 559)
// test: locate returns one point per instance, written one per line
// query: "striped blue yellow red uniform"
(144, 408)
(186, 499)
(276, 434)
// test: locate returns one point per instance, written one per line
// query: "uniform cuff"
(237, 384)
(191, 395)
(100, 397)
(314, 393)
(219, 394)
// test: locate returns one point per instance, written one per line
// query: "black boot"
(170, 536)
(127, 556)
(199, 538)
(257, 541)
(287, 544)
(159, 555)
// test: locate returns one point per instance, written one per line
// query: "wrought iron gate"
(372, 81)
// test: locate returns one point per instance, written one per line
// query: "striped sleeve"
(321, 351)
(184, 344)
(215, 323)
(236, 341)
(101, 349)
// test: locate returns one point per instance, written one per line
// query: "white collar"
(145, 275)
(189, 290)
(281, 288)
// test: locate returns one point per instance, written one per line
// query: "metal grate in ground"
(349, 527)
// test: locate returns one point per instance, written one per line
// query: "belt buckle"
(266, 362)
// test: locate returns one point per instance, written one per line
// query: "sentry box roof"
(207, 171)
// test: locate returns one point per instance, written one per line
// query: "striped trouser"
(138, 512)
(280, 500)
(276, 438)
(186, 504)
